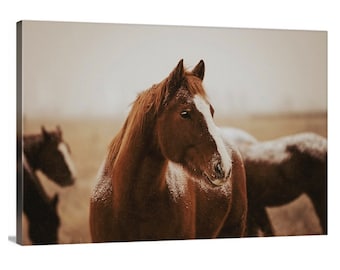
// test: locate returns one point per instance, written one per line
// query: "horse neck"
(139, 168)
(35, 196)
(32, 147)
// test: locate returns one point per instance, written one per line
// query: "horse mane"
(31, 141)
(145, 108)
(32, 145)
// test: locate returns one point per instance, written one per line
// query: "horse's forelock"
(194, 85)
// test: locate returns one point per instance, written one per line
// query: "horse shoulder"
(182, 201)
(101, 211)
(176, 180)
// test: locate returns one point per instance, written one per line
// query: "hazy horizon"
(96, 70)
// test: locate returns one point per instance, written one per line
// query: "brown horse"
(279, 171)
(41, 210)
(50, 154)
(167, 174)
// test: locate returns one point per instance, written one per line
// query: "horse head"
(185, 129)
(55, 159)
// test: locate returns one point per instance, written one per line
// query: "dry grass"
(89, 139)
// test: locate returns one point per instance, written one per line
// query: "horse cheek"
(166, 134)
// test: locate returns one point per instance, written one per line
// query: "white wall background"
(88, 69)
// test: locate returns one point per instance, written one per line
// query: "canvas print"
(146, 132)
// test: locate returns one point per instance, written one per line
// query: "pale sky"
(96, 70)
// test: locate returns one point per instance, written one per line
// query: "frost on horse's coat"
(279, 171)
(166, 175)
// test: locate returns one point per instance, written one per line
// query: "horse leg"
(319, 200)
(252, 225)
(258, 219)
(264, 222)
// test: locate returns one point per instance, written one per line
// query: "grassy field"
(89, 139)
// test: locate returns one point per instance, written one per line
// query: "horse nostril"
(219, 171)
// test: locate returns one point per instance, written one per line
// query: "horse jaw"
(68, 160)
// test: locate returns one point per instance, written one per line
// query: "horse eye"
(185, 114)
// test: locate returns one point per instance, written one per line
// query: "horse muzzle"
(219, 176)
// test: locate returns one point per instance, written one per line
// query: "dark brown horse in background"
(168, 174)
(279, 171)
(40, 209)
(48, 153)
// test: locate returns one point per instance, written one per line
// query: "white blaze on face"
(64, 151)
(204, 108)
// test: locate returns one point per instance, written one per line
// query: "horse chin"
(211, 180)
(217, 182)
(66, 181)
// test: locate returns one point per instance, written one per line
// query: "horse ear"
(198, 71)
(59, 132)
(176, 77)
(44, 132)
